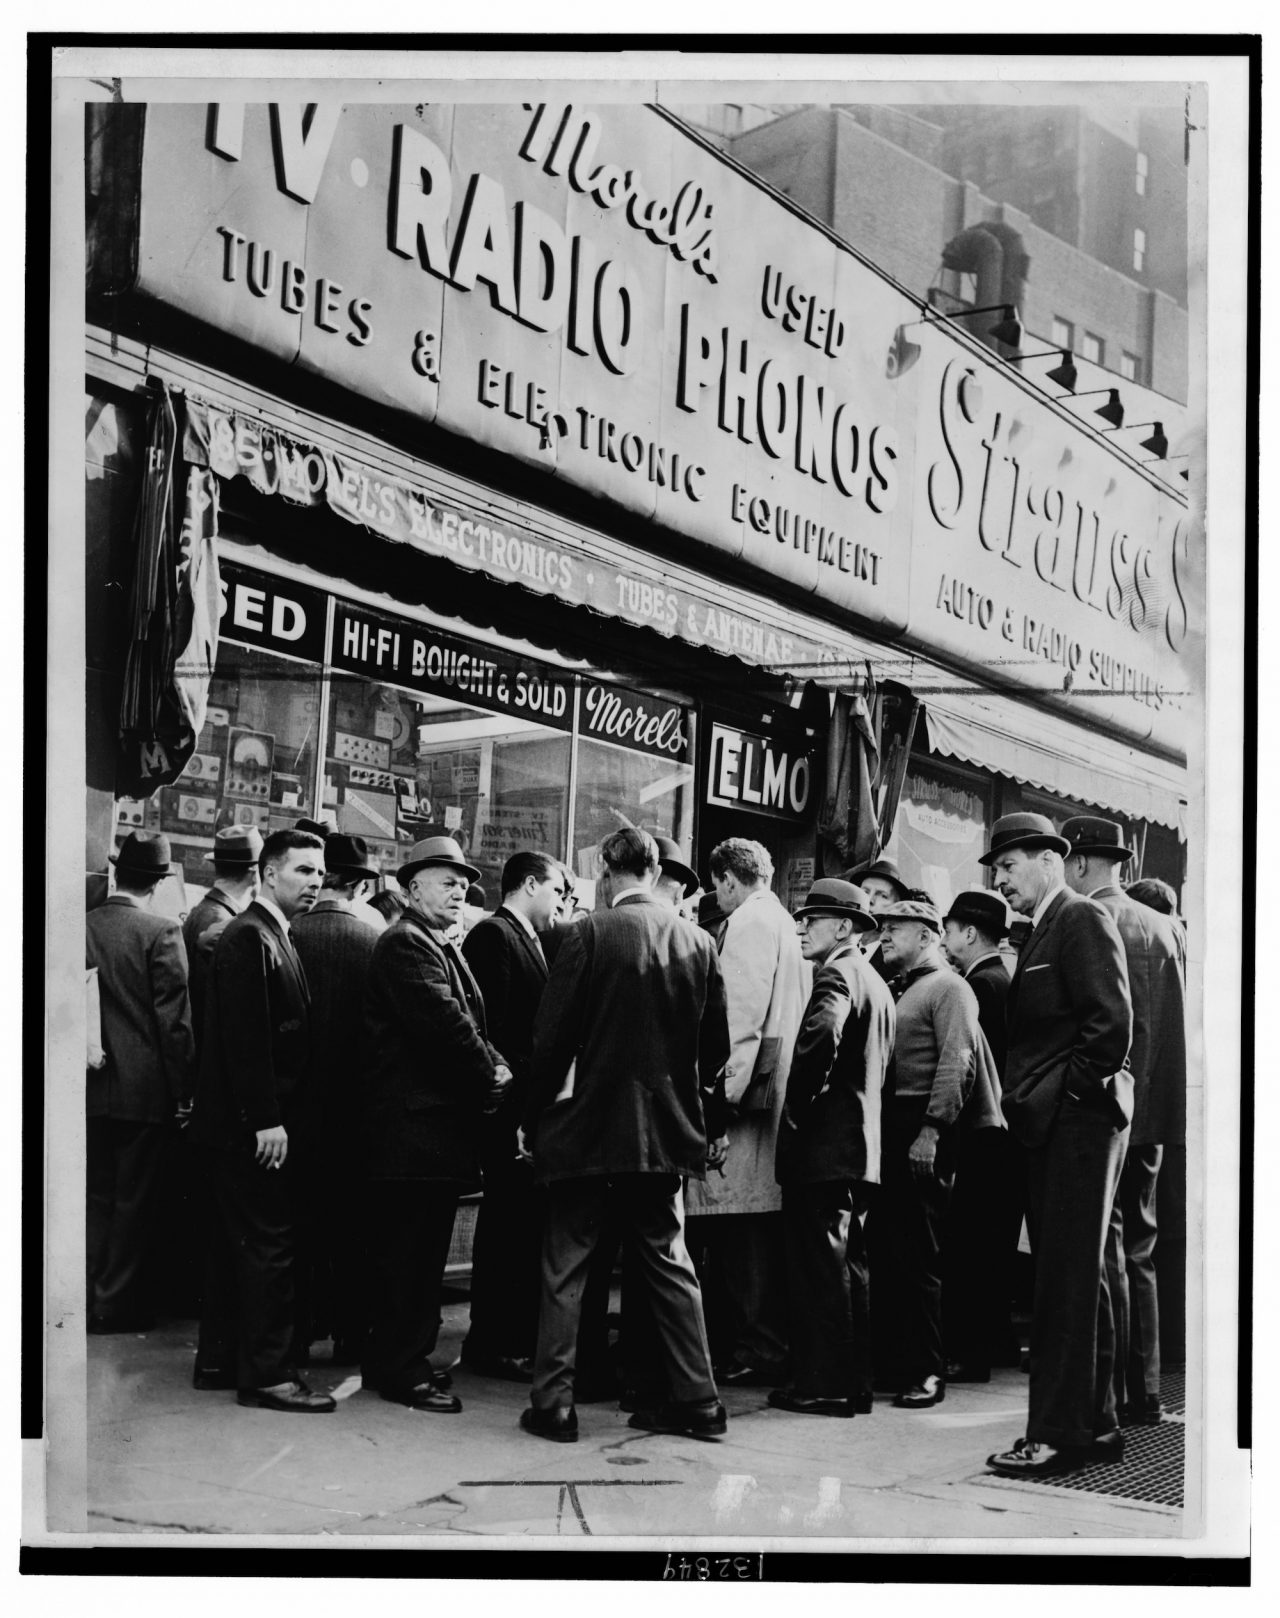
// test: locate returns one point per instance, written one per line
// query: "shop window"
(253, 764)
(649, 785)
(401, 765)
(1093, 348)
(1063, 333)
(941, 831)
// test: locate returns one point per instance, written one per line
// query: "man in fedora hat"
(431, 1076)
(252, 1116)
(336, 948)
(735, 1219)
(235, 884)
(1158, 1061)
(145, 1082)
(1066, 1096)
(506, 955)
(883, 884)
(677, 881)
(828, 1156)
(942, 1078)
(987, 1198)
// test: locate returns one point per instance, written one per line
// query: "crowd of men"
(808, 1141)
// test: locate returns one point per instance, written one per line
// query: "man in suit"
(941, 1082)
(882, 883)
(145, 1082)
(253, 1115)
(235, 884)
(336, 950)
(632, 1020)
(987, 1198)
(735, 1222)
(829, 1156)
(1158, 1060)
(1068, 1100)
(432, 1076)
(504, 951)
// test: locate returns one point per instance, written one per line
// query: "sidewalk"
(164, 1459)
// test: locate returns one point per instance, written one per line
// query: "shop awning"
(1044, 751)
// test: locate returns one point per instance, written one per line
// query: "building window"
(1140, 178)
(1093, 348)
(941, 831)
(1139, 249)
(1063, 334)
(1128, 365)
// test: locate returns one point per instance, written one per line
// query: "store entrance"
(793, 847)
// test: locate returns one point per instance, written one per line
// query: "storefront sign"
(761, 774)
(273, 614)
(612, 713)
(402, 652)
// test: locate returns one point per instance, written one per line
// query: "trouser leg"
(505, 1258)
(255, 1207)
(409, 1231)
(817, 1221)
(124, 1184)
(219, 1311)
(577, 1213)
(982, 1237)
(100, 1178)
(1071, 1189)
(754, 1277)
(1139, 1181)
(912, 1216)
(652, 1207)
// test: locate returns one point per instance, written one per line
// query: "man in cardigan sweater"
(938, 1051)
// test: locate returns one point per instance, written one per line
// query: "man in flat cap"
(828, 1156)
(336, 948)
(1068, 1099)
(942, 1074)
(252, 1115)
(431, 1077)
(631, 1027)
(735, 1223)
(145, 1082)
(235, 884)
(987, 1200)
(1158, 1061)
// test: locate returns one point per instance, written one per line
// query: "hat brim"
(971, 919)
(865, 922)
(906, 921)
(880, 876)
(684, 873)
(1113, 849)
(355, 873)
(143, 870)
(406, 873)
(1032, 842)
(214, 858)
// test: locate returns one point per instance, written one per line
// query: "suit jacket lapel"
(532, 948)
(288, 952)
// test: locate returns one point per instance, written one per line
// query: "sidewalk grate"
(1173, 1391)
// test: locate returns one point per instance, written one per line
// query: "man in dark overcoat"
(505, 953)
(828, 1156)
(1158, 1060)
(235, 884)
(145, 1083)
(336, 948)
(432, 1075)
(1068, 1099)
(632, 1023)
(987, 1201)
(253, 1115)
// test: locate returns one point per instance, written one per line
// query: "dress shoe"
(750, 1376)
(922, 1395)
(863, 1404)
(207, 1378)
(291, 1396)
(428, 1395)
(789, 1399)
(1031, 1460)
(964, 1371)
(504, 1367)
(699, 1418)
(559, 1424)
(1144, 1412)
